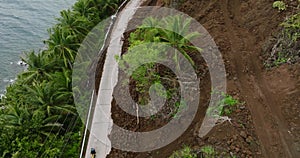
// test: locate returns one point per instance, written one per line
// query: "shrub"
(280, 5)
(186, 152)
(292, 27)
(208, 151)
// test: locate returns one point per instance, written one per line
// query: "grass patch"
(224, 107)
(186, 152)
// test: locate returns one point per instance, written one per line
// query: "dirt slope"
(241, 28)
(268, 124)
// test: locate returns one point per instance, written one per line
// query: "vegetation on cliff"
(37, 116)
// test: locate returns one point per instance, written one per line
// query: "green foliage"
(168, 32)
(39, 117)
(280, 5)
(186, 152)
(208, 151)
(286, 50)
(229, 100)
(292, 27)
(171, 30)
(224, 106)
(280, 59)
(144, 74)
(179, 107)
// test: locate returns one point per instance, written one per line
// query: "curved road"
(101, 121)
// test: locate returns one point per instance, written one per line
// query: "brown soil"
(268, 124)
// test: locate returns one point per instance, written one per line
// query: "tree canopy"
(38, 116)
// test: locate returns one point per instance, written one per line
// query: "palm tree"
(76, 25)
(81, 7)
(49, 124)
(39, 102)
(51, 99)
(107, 7)
(15, 116)
(176, 33)
(62, 80)
(23, 124)
(38, 67)
(86, 9)
(63, 44)
(149, 30)
(172, 30)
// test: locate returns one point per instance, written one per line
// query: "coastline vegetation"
(37, 115)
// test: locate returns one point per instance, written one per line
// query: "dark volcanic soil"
(268, 124)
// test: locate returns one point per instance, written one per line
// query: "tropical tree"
(37, 114)
(176, 32)
(63, 45)
(87, 9)
(38, 67)
(171, 30)
(110, 6)
(75, 24)
(50, 99)
(62, 80)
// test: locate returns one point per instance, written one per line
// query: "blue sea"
(23, 27)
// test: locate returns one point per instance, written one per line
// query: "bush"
(186, 152)
(280, 5)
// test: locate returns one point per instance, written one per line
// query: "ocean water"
(23, 27)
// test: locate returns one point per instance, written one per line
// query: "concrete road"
(101, 121)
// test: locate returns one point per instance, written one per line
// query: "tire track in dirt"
(271, 127)
(240, 28)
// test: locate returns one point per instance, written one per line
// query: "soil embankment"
(267, 125)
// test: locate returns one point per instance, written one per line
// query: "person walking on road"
(93, 153)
